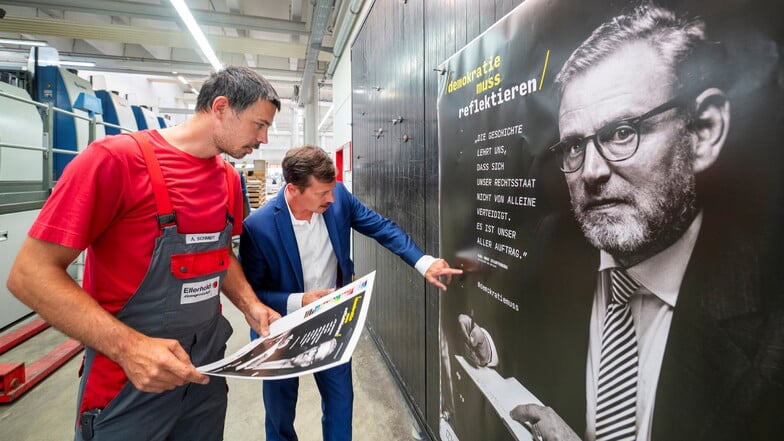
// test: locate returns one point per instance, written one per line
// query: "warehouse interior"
(366, 80)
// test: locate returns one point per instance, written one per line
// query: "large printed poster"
(611, 185)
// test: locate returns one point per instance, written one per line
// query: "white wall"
(341, 96)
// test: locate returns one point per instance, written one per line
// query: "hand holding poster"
(316, 337)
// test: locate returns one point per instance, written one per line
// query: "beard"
(658, 213)
(237, 153)
(227, 145)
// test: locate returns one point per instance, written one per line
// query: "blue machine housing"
(110, 112)
(145, 119)
(51, 88)
(117, 112)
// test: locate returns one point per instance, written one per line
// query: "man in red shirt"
(155, 211)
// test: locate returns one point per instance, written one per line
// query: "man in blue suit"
(294, 250)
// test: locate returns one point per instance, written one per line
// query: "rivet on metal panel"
(405, 137)
(379, 132)
(440, 69)
(397, 120)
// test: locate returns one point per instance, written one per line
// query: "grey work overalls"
(178, 299)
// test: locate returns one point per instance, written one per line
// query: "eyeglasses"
(615, 142)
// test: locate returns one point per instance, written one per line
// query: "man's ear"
(220, 105)
(291, 189)
(710, 127)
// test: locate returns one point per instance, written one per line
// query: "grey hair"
(242, 86)
(679, 41)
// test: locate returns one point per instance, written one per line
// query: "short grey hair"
(242, 86)
(679, 41)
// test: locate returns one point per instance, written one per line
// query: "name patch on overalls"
(202, 238)
(200, 291)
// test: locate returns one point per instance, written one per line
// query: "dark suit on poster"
(271, 261)
(723, 367)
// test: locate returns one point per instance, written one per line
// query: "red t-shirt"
(104, 202)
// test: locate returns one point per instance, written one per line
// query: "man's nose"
(331, 196)
(595, 167)
(262, 136)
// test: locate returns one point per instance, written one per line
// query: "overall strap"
(230, 186)
(166, 216)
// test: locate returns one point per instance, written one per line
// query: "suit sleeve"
(384, 231)
(256, 269)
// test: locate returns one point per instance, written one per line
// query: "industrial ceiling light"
(198, 35)
(22, 42)
(77, 63)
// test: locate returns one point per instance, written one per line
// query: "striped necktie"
(616, 400)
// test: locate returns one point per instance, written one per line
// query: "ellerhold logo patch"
(200, 291)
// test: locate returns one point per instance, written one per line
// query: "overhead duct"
(346, 25)
(318, 26)
(148, 36)
(146, 66)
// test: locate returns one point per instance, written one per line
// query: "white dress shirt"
(319, 263)
(651, 306)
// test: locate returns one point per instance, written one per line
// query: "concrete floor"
(46, 412)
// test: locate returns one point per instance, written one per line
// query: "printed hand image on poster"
(611, 182)
(316, 337)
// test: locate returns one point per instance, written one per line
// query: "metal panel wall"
(389, 177)
(393, 75)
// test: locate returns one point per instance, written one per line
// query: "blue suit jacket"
(271, 260)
